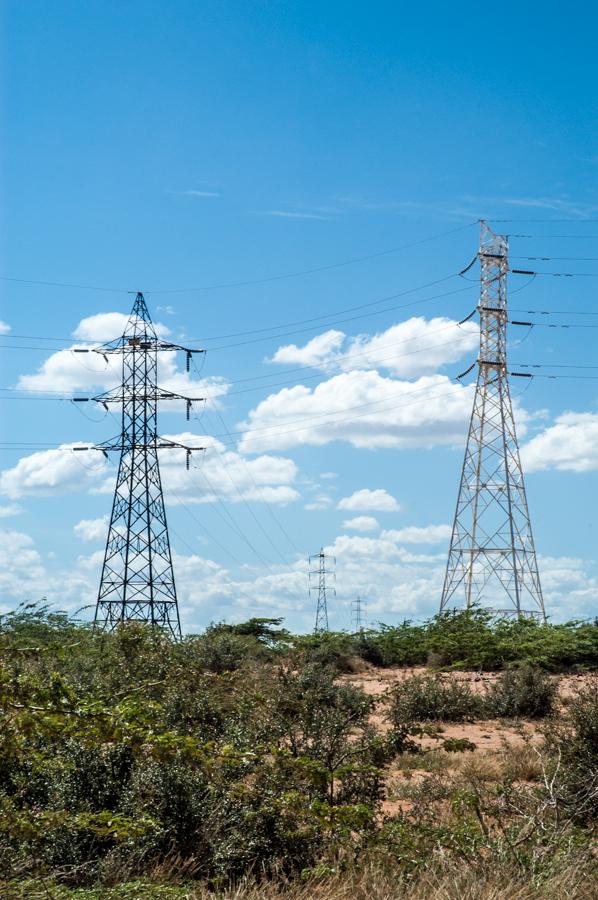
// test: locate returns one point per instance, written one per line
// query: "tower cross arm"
(139, 342)
(155, 393)
(158, 444)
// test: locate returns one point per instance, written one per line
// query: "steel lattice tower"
(137, 580)
(358, 614)
(322, 572)
(492, 558)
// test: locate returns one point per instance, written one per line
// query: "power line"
(289, 324)
(426, 394)
(574, 221)
(557, 274)
(247, 506)
(558, 258)
(267, 505)
(370, 354)
(270, 328)
(552, 312)
(227, 517)
(254, 281)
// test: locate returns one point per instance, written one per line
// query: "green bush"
(240, 751)
(432, 698)
(522, 692)
(575, 741)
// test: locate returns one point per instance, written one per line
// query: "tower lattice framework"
(358, 614)
(492, 558)
(321, 573)
(137, 581)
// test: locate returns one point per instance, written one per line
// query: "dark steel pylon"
(358, 607)
(137, 580)
(492, 558)
(321, 573)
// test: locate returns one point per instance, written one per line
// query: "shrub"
(458, 745)
(525, 692)
(577, 744)
(432, 698)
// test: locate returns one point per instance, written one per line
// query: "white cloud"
(377, 500)
(361, 523)
(321, 351)
(394, 582)
(17, 551)
(412, 348)
(7, 512)
(571, 444)
(108, 326)
(4, 327)
(218, 473)
(92, 529)
(51, 472)
(24, 577)
(67, 371)
(430, 534)
(363, 408)
(221, 472)
(570, 590)
(321, 501)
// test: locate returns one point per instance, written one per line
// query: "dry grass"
(465, 884)
(456, 881)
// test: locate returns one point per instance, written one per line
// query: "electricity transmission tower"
(358, 607)
(137, 580)
(322, 572)
(492, 558)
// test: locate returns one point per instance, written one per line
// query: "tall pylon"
(321, 573)
(358, 608)
(137, 581)
(492, 559)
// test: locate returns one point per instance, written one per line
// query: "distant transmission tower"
(137, 576)
(321, 573)
(492, 558)
(358, 607)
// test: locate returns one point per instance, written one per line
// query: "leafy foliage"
(430, 698)
(240, 753)
(527, 692)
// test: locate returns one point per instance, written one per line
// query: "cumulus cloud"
(25, 578)
(395, 582)
(13, 509)
(224, 473)
(4, 327)
(219, 473)
(364, 408)
(67, 371)
(361, 523)
(377, 500)
(410, 349)
(430, 534)
(52, 472)
(321, 351)
(107, 326)
(321, 501)
(571, 444)
(92, 529)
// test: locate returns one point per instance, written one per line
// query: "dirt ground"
(500, 744)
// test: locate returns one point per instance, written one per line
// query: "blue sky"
(171, 146)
